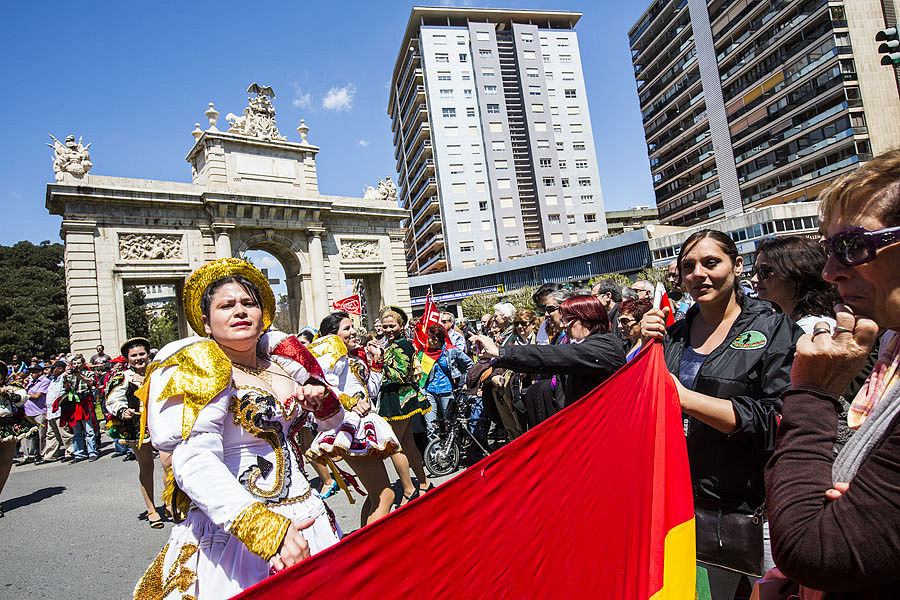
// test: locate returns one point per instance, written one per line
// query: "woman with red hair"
(590, 357)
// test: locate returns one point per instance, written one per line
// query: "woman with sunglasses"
(590, 357)
(730, 359)
(631, 312)
(836, 520)
(509, 385)
(788, 273)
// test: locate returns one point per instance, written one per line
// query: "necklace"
(258, 372)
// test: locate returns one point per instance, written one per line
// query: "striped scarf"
(883, 378)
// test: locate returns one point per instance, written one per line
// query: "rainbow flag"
(594, 503)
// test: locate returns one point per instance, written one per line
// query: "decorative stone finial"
(197, 132)
(212, 114)
(70, 158)
(303, 130)
(258, 119)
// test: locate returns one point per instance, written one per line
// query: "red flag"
(593, 503)
(350, 304)
(431, 317)
(661, 300)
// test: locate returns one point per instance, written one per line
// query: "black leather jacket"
(752, 368)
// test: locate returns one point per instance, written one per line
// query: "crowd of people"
(788, 379)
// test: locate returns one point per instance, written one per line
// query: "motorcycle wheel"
(441, 457)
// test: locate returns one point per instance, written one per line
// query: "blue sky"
(133, 78)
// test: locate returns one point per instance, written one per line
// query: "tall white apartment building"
(492, 136)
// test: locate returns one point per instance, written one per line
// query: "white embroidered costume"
(235, 457)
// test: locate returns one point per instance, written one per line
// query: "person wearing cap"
(36, 409)
(125, 426)
(58, 440)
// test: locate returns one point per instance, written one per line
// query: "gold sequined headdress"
(225, 267)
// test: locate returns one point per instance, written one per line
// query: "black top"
(752, 368)
(586, 364)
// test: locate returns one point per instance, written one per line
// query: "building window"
(470, 111)
(490, 90)
(527, 37)
(564, 182)
(478, 167)
(576, 128)
(593, 235)
(461, 40)
(488, 244)
(451, 131)
(439, 39)
(577, 145)
(562, 164)
(509, 222)
(467, 94)
(466, 76)
(503, 184)
(581, 164)
(482, 36)
(554, 110)
(501, 165)
(496, 127)
(565, 58)
(459, 187)
(464, 226)
(445, 94)
(480, 186)
(553, 218)
(532, 73)
(498, 145)
(567, 200)
(482, 205)
(556, 238)
(543, 144)
(570, 219)
(506, 202)
(549, 181)
(512, 242)
(546, 58)
(559, 146)
(443, 75)
(550, 200)
(529, 54)
(540, 126)
(485, 225)
(587, 199)
(573, 110)
(562, 42)
(548, 75)
(551, 92)
(484, 53)
(454, 150)
(448, 113)
(467, 247)
(584, 182)
(537, 107)
(463, 57)
(493, 109)
(573, 237)
(473, 130)
(590, 218)
(534, 90)
(456, 169)
(570, 93)
(557, 128)
(442, 58)
(487, 72)
(546, 163)
(568, 76)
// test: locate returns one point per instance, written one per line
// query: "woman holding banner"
(730, 360)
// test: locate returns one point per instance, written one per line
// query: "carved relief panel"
(147, 246)
(360, 250)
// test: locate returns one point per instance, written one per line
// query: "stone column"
(317, 274)
(82, 298)
(223, 239)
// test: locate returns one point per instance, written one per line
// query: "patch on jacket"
(749, 340)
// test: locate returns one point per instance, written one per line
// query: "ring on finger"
(819, 330)
(839, 329)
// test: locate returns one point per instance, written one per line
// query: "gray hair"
(451, 315)
(505, 309)
(627, 293)
(560, 295)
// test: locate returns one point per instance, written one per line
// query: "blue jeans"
(439, 402)
(83, 433)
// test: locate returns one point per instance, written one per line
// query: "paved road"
(74, 532)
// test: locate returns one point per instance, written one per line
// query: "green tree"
(653, 274)
(617, 277)
(33, 319)
(163, 326)
(480, 304)
(136, 322)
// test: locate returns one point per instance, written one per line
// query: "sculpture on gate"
(386, 190)
(258, 119)
(72, 158)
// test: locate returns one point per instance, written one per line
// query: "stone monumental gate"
(251, 190)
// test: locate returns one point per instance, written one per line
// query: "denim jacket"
(459, 362)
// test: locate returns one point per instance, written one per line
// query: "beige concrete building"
(251, 190)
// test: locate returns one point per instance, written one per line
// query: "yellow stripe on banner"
(679, 564)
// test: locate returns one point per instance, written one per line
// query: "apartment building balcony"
(434, 264)
(430, 205)
(426, 170)
(431, 225)
(434, 243)
(425, 189)
(414, 136)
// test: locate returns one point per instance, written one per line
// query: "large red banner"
(593, 503)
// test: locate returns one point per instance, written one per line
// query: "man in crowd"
(456, 337)
(548, 305)
(643, 288)
(79, 410)
(58, 439)
(680, 300)
(101, 358)
(35, 409)
(609, 293)
(485, 319)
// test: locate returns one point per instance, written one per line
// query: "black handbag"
(728, 538)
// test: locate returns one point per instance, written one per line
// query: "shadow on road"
(32, 498)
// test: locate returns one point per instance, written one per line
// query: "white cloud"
(364, 143)
(339, 99)
(301, 100)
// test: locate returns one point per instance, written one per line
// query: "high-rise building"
(749, 103)
(492, 137)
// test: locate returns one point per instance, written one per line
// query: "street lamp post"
(590, 273)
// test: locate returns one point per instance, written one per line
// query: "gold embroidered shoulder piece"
(331, 347)
(202, 372)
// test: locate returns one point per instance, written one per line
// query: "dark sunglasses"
(546, 310)
(854, 246)
(626, 322)
(763, 271)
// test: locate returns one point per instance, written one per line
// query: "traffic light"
(890, 47)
